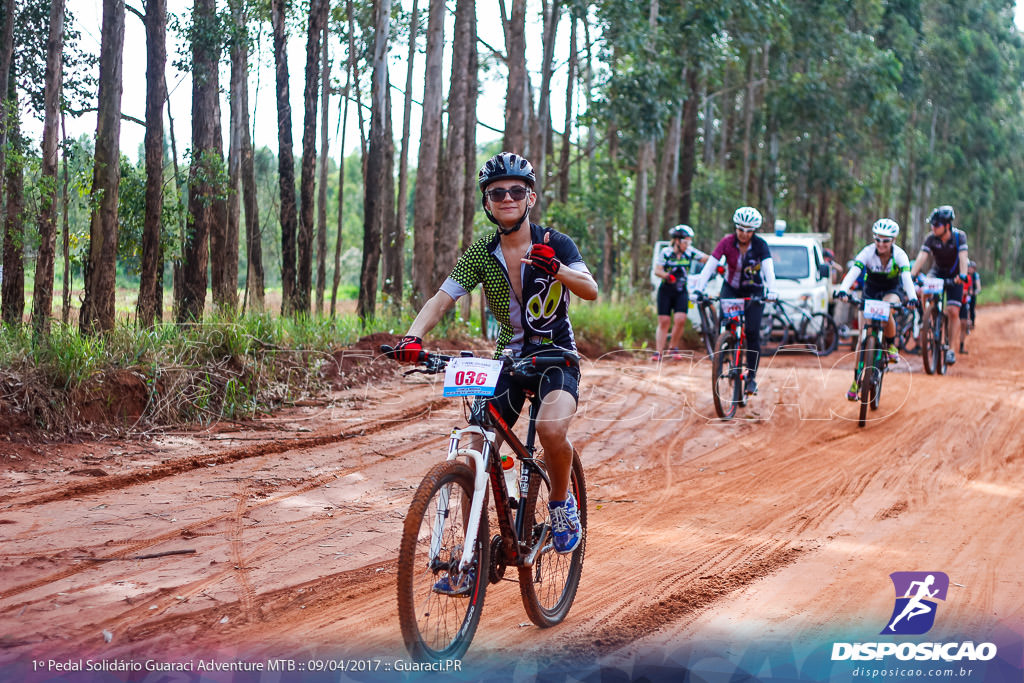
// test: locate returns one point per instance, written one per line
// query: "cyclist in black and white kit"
(673, 266)
(527, 274)
(886, 269)
(946, 247)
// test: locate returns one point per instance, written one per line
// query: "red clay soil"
(279, 539)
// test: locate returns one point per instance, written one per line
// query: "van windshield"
(790, 261)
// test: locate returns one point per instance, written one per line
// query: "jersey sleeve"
(469, 269)
(565, 249)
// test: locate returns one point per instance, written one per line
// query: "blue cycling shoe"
(457, 588)
(565, 525)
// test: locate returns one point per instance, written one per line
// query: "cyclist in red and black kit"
(749, 272)
(946, 247)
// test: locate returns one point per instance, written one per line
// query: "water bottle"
(508, 465)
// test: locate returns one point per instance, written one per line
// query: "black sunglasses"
(517, 193)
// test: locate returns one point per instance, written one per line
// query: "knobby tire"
(928, 342)
(548, 588)
(867, 375)
(437, 626)
(726, 384)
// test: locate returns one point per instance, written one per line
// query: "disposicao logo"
(916, 602)
(917, 596)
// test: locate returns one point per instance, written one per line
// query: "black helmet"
(943, 215)
(681, 231)
(506, 165)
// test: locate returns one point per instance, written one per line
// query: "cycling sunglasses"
(743, 228)
(517, 193)
(883, 240)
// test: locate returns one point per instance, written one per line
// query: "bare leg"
(661, 333)
(556, 413)
(678, 323)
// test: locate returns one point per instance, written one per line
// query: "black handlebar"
(435, 363)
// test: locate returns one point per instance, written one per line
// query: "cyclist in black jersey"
(530, 300)
(946, 247)
(674, 265)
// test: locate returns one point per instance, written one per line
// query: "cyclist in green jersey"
(528, 273)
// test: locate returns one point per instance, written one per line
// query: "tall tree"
(13, 285)
(97, 312)
(43, 296)
(321, 214)
(285, 160)
(394, 244)
(238, 40)
(542, 134)
(471, 196)
(207, 160)
(425, 200)
(377, 203)
(517, 87)
(452, 180)
(254, 276)
(317, 21)
(156, 93)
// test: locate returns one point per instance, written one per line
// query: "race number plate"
(876, 310)
(732, 308)
(932, 285)
(471, 377)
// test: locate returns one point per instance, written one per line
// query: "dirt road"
(750, 546)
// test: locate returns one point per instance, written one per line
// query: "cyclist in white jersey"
(886, 269)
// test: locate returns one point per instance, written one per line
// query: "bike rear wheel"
(929, 344)
(726, 379)
(823, 333)
(435, 625)
(548, 588)
(867, 376)
(708, 326)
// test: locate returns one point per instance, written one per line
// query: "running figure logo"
(916, 595)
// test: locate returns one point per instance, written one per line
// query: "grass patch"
(1001, 292)
(629, 324)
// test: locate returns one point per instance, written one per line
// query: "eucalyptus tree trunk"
(471, 196)
(349, 69)
(394, 247)
(668, 165)
(254, 275)
(156, 92)
(452, 180)
(377, 203)
(42, 300)
(97, 312)
(236, 148)
(425, 216)
(317, 20)
(516, 87)
(542, 132)
(321, 215)
(564, 157)
(12, 291)
(6, 58)
(688, 152)
(206, 162)
(285, 160)
(638, 244)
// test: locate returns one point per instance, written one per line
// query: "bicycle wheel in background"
(708, 326)
(549, 587)
(945, 345)
(907, 340)
(774, 333)
(823, 334)
(867, 375)
(726, 382)
(929, 343)
(938, 347)
(879, 367)
(435, 625)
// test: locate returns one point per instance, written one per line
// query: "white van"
(801, 273)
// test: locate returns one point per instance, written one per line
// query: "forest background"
(638, 115)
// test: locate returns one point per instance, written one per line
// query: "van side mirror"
(824, 271)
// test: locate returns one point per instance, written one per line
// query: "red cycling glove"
(408, 349)
(671, 279)
(543, 258)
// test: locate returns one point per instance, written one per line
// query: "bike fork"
(479, 458)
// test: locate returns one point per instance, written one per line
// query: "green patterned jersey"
(541, 319)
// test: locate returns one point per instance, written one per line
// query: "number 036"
(465, 378)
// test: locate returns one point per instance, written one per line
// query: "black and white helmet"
(506, 165)
(747, 217)
(681, 231)
(942, 215)
(886, 227)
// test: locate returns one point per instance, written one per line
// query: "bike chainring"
(498, 562)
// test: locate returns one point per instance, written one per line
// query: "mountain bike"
(708, 324)
(908, 329)
(787, 327)
(729, 371)
(935, 326)
(872, 358)
(446, 531)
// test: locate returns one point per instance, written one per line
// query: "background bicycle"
(447, 558)
(872, 358)
(788, 327)
(934, 340)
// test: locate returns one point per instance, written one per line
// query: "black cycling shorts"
(671, 299)
(871, 292)
(510, 393)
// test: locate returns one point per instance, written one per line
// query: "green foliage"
(1001, 291)
(628, 324)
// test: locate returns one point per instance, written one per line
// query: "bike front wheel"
(548, 588)
(867, 376)
(931, 348)
(726, 376)
(436, 625)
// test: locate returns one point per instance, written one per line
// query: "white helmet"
(681, 231)
(748, 217)
(886, 227)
